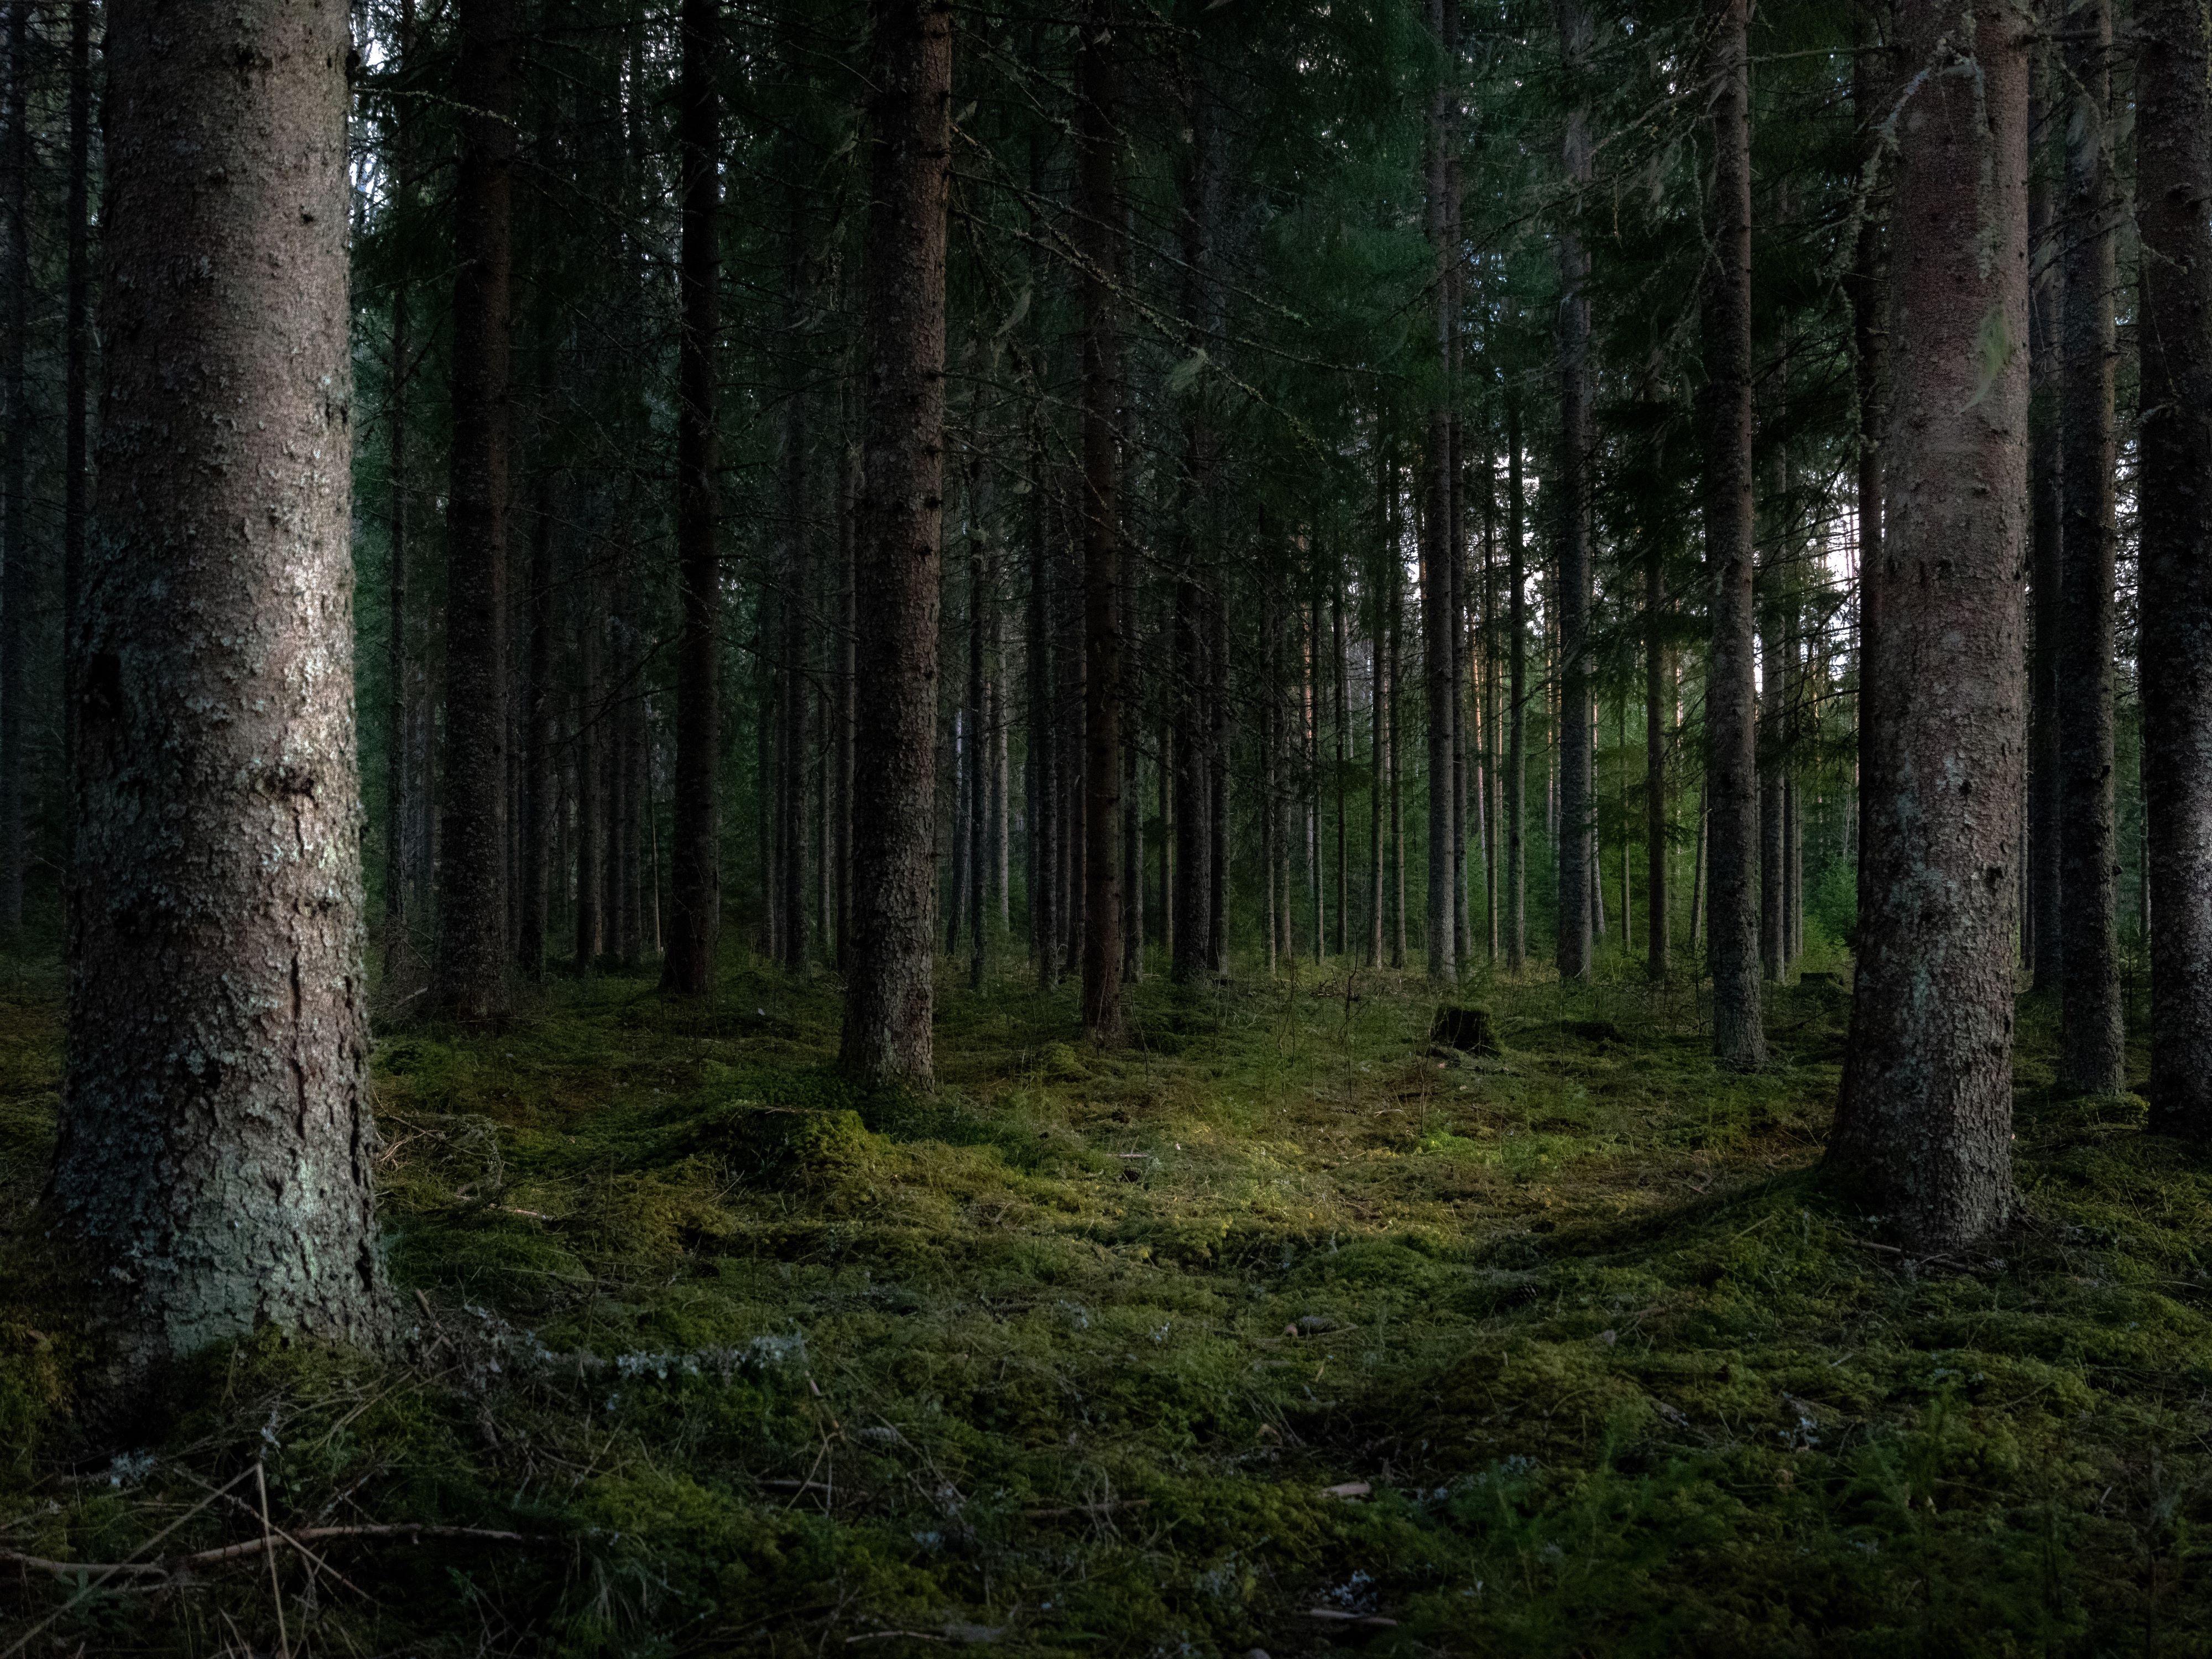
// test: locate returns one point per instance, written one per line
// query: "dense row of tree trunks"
(2173, 182)
(1731, 698)
(898, 548)
(216, 1151)
(472, 911)
(1924, 1123)
(2092, 1057)
(695, 840)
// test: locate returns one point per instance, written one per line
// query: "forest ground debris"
(770, 1366)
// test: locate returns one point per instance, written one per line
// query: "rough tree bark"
(1099, 240)
(1577, 800)
(2092, 1057)
(694, 839)
(1731, 695)
(2046, 926)
(400, 772)
(898, 549)
(216, 1144)
(1923, 1124)
(76, 473)
(2173, 181)
(15, 571)
(471, 965)
(1870, 378)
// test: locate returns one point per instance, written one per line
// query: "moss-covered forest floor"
(1270, 1331)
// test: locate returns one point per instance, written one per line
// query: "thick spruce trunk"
(898, 548)
(17, 577)
(77, 471)
(1731, 695)
(2045, 924)
(216, 1151)
(535, 857)
(694, 839)
(1870, 385)
(1923, 1124)
(472, 932)
(2092, 1057)
(2173, 181)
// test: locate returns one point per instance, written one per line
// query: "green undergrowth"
(1271, 1315)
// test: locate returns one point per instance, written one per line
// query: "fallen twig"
(251, 1546)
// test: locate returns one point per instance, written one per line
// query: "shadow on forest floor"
(1273, 1330)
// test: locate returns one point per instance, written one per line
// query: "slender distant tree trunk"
(1336, 727)
(1435, 528)
(2173, 181)
(980, 625)
(2091, 1056)
(1517, 699)
(76, 473)
(16, 579)
(1044, 766)
(898, 552)
(1923, 1124)
(795, 581)
(538, 735)
(1217, 945)
(1396, 644)
(1658, 943)
(471, 976)
(848, 689)
(216, 1147)
(1378, 611)
(1731, 697)
(1578, 798)
(694, 839)
(591, 798)
(1869, 275)
(1098, 238)
(2046, 827)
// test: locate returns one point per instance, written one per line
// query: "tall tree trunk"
(1517, 699)
(1435, 531)
(1099, 240)
(1396, 651)
(76, 473)
(2173, 181)
(980, 604)
(1656, 679)
(1337, 729)
(1044, 759)
(2046, 827)
(472, 968)
(1731, 697)
(1217, 757)
(695, 845)
(899, 549)
(1923, 1124)
(794, 703)
(16, 578)
(402, 769)
(848, 688)
(1869, 275)
(538, 735)
(217, 1144)
(591, 798)
(2091, 1056)
(1577, 797)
